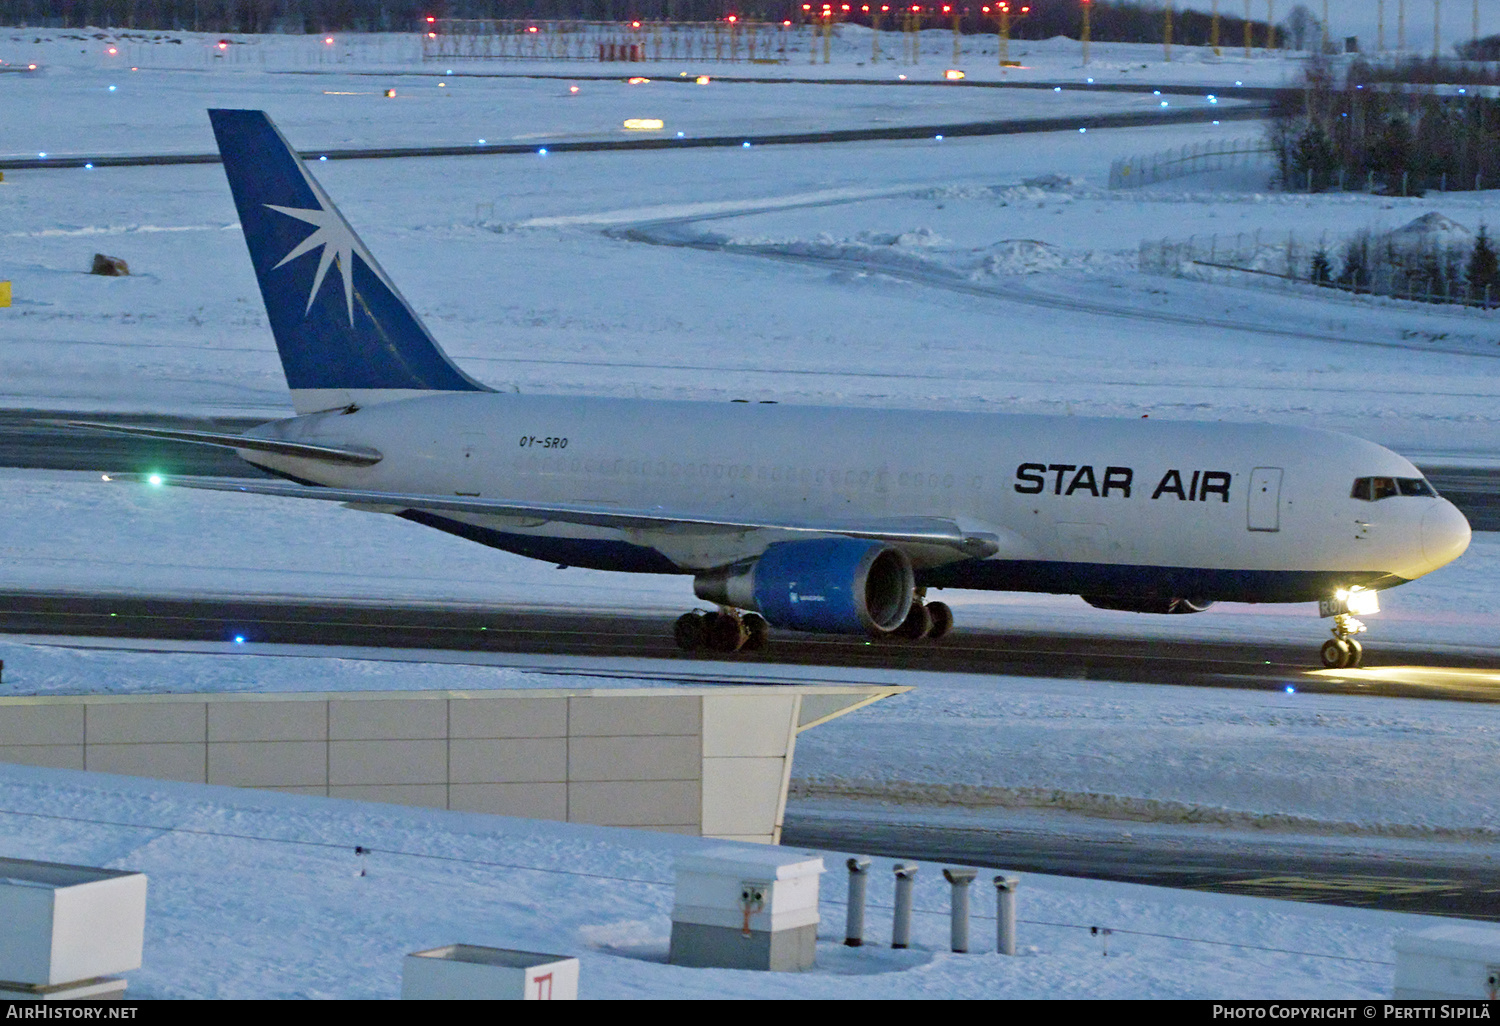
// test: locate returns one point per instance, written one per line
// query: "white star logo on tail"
(337, 239)
(338, 243)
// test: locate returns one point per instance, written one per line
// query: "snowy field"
(235, 913)
(978, 274)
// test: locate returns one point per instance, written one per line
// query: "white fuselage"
(1083, 505)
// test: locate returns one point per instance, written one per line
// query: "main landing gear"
(731, 630)
(728, 630)
(926, 620)
(1343, 651)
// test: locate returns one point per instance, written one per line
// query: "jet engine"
(829, 585)
(1147, 604)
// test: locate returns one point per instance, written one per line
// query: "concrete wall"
(709, 761)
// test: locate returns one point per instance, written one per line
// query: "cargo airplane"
(792, 517)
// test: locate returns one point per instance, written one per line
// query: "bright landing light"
(154, 480)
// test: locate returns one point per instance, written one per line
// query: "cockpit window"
(1415, 486)
(1373, 489)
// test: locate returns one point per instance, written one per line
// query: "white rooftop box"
(746, 908)
(468, 972)
(68, 924)
(1457, 963)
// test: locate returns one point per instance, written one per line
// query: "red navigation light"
(112, 50)
(787, 22)
(328, 41)
(846, 7)
(432, 35)
(732, 17)
(633, 24)
(430, 19)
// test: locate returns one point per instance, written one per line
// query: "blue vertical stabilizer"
(345, 334)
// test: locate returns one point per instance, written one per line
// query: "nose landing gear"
(1343, 651)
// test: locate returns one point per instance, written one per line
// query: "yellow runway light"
(643, 124)
(702, 80)
(4, 293)
(637, 80)
(953, 75)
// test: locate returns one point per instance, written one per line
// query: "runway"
(1391, 671)
(1247, 111)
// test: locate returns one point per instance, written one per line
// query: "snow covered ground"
(986, 274)
(256, 895)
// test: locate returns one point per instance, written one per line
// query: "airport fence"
(754, 42)
(1362, 267)
(1134, 172)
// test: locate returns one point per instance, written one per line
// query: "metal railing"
(1291, 259)
(509, 39)
(1134, 172)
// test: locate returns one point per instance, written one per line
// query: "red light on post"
(430, 19)
(328, 41)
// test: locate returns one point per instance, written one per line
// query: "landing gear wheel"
(917, 625)
(688, 632)
(942, 619)
(757, 632)
(727, 633)
(1356, 654)
(1336, 653)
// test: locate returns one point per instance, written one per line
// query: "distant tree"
(1486, 49)
(1315, 163)
(1302, 28)
(1322, 268)
(1356, 272)
(1483, 270)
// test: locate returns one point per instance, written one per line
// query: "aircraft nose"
(1445, 533)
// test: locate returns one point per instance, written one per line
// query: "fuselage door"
(1265, 499)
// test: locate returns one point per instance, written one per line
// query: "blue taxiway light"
(1291, 690)
(239, 639)
(542, 152)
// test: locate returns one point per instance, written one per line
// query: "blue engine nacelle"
(829, 585)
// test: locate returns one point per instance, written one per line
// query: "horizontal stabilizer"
(907, 531)
(359, 457)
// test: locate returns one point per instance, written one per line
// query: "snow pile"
(1431, 230)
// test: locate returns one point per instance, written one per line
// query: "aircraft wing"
(898, 531)
(359, 457)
